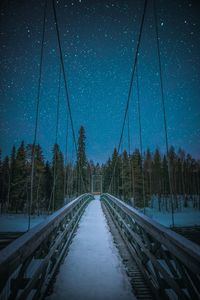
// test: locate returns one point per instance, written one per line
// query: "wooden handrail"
(185, 250)
(22, 248)
(166, 259)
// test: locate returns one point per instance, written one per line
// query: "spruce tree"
(48, 183)
(81, 162)
(5, 184)
(148, 173)
(115, 172)
(156, 175)
(1, 179)
(58, 178)
(39, 179)
(19, 192)
(126, 176)
(12, 176)
(137, 169)
(107, 174)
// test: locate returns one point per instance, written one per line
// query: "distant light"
(162, 24)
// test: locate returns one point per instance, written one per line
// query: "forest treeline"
(136, 179)
(130, 177)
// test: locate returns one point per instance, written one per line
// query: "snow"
(93, 269)
(184, 216)
(18, 222)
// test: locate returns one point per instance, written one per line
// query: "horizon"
(70, 160)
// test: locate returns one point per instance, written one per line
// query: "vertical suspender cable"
(129, 155)
(66, 188)
(131, 84)
(65, 84)
(36, 116)
(122, 171)
(163, 108)
(56, 141)
(140, 135)
(52, 196)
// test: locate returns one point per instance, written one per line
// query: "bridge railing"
(28, 264)
(169, 262)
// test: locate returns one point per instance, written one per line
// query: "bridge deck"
(93, 269)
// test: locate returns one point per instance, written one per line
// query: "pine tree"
(19, 183)
(148, 173)
(39, 165)
(172, 167)
(12, 176)
(156, 176)
(5, 184)
(107, 174)
(126, 176)
(181, 157)
(137, 169)
(1, 180)
(115, 172)
(82, 162)
(165, 176)
(48, 183)
(58, 178)
(39, 179)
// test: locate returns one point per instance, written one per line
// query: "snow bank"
(183, 216)
(18, 222)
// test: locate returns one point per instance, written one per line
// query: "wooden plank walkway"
(93, 268)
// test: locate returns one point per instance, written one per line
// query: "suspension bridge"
(97, 246)
(147, 260)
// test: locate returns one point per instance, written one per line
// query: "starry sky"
(98, 42)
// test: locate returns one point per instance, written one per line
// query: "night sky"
(98, 42)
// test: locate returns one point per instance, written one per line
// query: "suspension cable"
(140, 136)
(129, 154)
(131, 84)
(56, 139)
(66, 87)
(66, 189)
(163, 106)
(52, 196)
(122, 171)
(37, 115)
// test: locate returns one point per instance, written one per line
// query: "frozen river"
(93, 269)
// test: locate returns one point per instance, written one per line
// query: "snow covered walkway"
(93, 269)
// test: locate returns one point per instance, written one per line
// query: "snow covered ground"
(183, 216)
(93, 269)
(18, 222)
